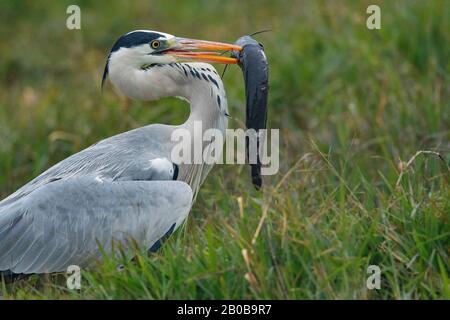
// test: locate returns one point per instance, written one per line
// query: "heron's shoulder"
(144, 134)
(121, 154)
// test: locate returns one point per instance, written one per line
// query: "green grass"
(353, 106)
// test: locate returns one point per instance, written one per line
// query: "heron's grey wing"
(140, 154)
(64, 222)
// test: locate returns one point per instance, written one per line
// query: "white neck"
(209, 109)
(207, 98)
(198, 83)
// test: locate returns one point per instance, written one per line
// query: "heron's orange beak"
(209, 51)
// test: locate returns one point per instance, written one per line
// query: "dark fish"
(255, 68)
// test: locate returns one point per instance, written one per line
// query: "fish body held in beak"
(255, 68)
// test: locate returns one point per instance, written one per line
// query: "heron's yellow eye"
(155, 44)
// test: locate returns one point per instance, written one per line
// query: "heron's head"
(145, 50)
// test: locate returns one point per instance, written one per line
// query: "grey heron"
(126, 186)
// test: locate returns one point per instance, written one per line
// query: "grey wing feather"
(126, 156)
(63, 222)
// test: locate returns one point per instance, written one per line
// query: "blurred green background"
(353, 106)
